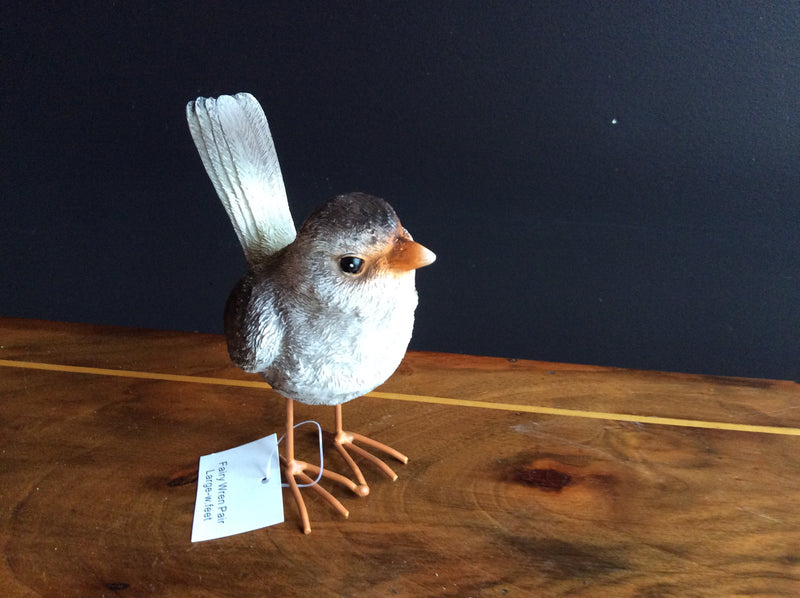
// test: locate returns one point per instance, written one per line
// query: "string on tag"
(321, 457)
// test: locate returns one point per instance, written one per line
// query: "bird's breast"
(341, 350)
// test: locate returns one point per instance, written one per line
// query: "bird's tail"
(232, 135)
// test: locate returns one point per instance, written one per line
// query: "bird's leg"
(343, 439)
(296, 469)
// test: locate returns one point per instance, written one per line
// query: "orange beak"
(406, 255)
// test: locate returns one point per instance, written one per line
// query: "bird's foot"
(344, 439)
(295, 470)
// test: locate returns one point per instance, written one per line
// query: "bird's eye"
(351, 264)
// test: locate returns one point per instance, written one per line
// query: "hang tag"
(238, 490)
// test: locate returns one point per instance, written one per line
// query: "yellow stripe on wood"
(643, 419)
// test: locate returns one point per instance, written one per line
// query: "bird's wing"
(254, 324)
(232, 136)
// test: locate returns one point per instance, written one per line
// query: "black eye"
(351, 264)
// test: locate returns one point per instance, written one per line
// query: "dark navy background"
(604, 183)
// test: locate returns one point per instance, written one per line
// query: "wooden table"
(525, 478)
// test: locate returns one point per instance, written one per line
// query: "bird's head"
(356, 240)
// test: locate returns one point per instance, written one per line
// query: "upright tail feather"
(233, 138)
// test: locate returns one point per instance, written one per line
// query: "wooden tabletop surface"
(525, 478)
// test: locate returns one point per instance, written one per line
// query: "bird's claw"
(294, 470)
(344, 439)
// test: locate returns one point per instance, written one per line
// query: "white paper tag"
(233, 494)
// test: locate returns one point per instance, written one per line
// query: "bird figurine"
(324, 314)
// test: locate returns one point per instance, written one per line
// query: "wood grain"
(98, 479)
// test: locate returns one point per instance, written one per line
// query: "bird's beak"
(406, 255)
